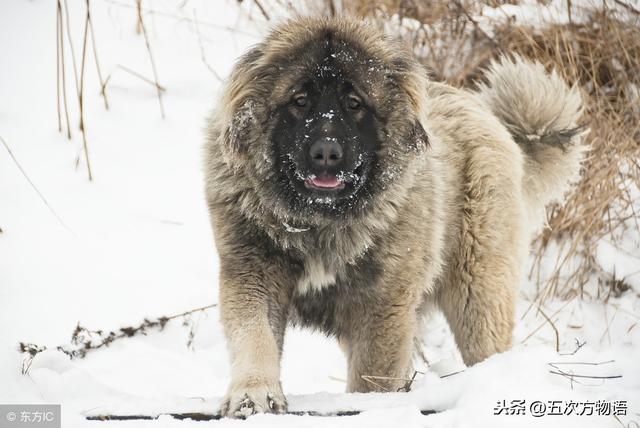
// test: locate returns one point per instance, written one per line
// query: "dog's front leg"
(253, 305)
(379, 350)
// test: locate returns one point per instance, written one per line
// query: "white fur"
(317, 275)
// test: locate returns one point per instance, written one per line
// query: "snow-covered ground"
(135, 242)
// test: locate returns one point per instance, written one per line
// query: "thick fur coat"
(458, 185)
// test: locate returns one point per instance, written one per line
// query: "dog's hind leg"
(477, 291)
(480, 312)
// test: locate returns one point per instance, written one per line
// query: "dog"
(348, 193)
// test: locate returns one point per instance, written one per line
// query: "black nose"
(326, 152)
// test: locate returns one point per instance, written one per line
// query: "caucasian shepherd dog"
(348, 193)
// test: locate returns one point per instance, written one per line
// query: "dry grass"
(143, 29)
(599, 50)
(602, 56)
(64, 26)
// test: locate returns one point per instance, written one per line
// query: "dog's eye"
(300, 100)
(354, 102)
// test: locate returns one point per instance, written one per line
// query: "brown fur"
(449, 225)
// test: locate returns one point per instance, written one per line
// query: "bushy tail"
(541, 112)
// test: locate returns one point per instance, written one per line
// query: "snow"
(136, 243)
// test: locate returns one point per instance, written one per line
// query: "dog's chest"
(317, 275)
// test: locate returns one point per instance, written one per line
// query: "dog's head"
(326, 113)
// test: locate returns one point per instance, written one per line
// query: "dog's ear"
(240, 102)
(237, 134)
(419, 139)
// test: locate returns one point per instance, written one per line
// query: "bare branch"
(33, 186)
(95, 56)
(73, 51)
(202, 53)
(133, 73)
(585, 376)
(148, 44)
(554, 328)
(62, 74)
(58, 30)
(81, 94)
(84, 340)
(262, 10)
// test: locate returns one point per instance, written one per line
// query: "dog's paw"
(247, 399)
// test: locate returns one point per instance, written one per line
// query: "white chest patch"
(316, 276)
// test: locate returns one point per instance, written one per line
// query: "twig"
(586, 376)
(32, 350)
(607, 329)
(451, 374)
(133, 73)
(371, 380)
(73, 51)
(405, 388)
(407, 385)
(262, 10)
(148, 44)
(33, 186)
(58, 66)
(183, 18)
(554, 329)
(570, 363)
(61, 71)
(578, 347)
(627, 6)
(572, 380)
(81, 94)
(202, 53)
(84, 340)
(476, 24)
(95, 56)
(542, 325)
(572, 377)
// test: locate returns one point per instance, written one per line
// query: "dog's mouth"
(329, 183)
(324, 182)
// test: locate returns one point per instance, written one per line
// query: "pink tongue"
(328, 181)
